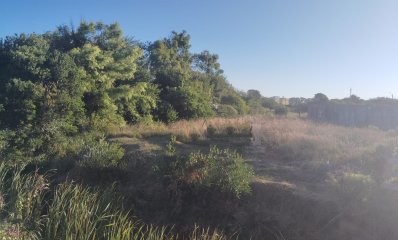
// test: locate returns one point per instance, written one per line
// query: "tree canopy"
(68, 81)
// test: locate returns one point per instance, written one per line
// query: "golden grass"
(299, 139)
(289, 138)
(296, 161)
(313, 146)
(186, 130)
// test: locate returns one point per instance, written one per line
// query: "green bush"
(227, 111)
(99, 154)
(70, 212)
(166, 113)
(222, 170)
(236, 101)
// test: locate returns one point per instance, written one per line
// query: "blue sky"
(280, 47)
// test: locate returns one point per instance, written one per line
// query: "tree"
(70, 82)
(353, 99)
(189, 83)
(320, 97)
(207, 63)
(53, 85)
(253, 95)
(170, 60)
(269, 103)
(298, 105)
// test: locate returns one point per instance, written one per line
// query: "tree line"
(67, 82)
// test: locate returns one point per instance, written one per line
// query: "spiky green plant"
(72, 212)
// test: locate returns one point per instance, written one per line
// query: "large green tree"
(64, 83)
(60, 83)
(183, 93)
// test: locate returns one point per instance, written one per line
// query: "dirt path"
(304, 204)
(289, 174)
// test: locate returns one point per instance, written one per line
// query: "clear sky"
(280, 47)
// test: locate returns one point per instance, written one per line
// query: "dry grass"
(322, 180)
(296, 139)
(187, 131)
(312, 178)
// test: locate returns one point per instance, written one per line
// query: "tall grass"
(22, 198)
(188, 130)
(70, 212)
(295, 139)
(80, 213)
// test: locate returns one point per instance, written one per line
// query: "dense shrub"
(167, 113)
(99, 154)
(226, 111)
(236, 101)
(30, 210)
(222, 170)
(69, 82)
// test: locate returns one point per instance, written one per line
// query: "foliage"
(226, 111)
(320, 97)
(22, 198)
(170, 148)
(187, 82)
(298, 105)
(30, 210)
(236, 101)
(55, 84)
(99, 154)
(269, 103)
(222, 170)
(136, 103)
(63, 91)
(167, 113)
(78, 213)
(64, 83)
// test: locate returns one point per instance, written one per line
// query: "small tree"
(320, 97)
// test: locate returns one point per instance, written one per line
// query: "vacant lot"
(313, 181)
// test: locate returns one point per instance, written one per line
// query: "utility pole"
(350, 92)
